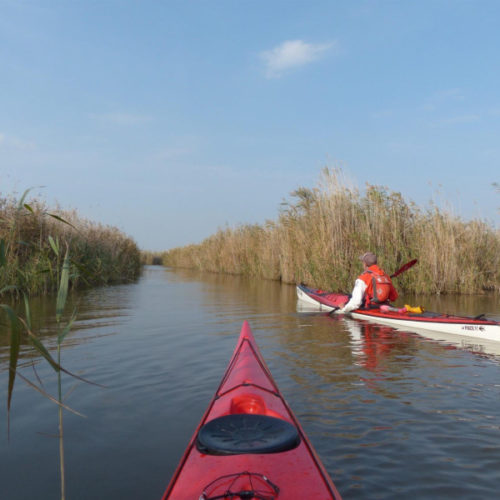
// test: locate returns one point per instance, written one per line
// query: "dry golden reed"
(320, 233)
(33, 239)
(149, 258)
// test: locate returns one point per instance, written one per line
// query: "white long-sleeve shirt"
(358, 293)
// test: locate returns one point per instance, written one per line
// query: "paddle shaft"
(404, 268)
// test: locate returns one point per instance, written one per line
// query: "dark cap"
(369, 258)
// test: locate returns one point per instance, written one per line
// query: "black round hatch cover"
(246, 433)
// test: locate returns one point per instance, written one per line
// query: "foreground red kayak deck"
(249, 444)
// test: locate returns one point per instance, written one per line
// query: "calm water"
(391, 414)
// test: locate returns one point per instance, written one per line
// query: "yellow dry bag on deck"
(415, 310)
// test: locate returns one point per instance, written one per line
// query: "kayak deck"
(249, 442)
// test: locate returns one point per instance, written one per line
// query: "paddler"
(372, 288)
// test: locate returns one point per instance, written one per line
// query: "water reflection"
(375, 346)
(99, 313)
(388, 411)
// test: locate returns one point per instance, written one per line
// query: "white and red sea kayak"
(477, 327)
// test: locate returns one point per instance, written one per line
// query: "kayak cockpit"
(243, 485)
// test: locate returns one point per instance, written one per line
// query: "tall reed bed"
(320, 233)
(149, 258)
(31, 240)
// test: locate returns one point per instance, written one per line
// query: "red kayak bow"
(249, 445)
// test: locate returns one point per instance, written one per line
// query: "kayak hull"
(248, 393)
(321, 300)
(484, 329)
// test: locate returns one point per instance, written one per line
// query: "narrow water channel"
(390, 413)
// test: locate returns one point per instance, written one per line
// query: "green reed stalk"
(60, 303)
(61, 431)
(19, 324)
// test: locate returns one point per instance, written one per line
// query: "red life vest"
(379, 287)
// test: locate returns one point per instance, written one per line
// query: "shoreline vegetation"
(149, 258)
(320, 233)
(35, 258)
(34, 239)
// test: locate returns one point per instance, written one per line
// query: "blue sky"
(171, 119)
